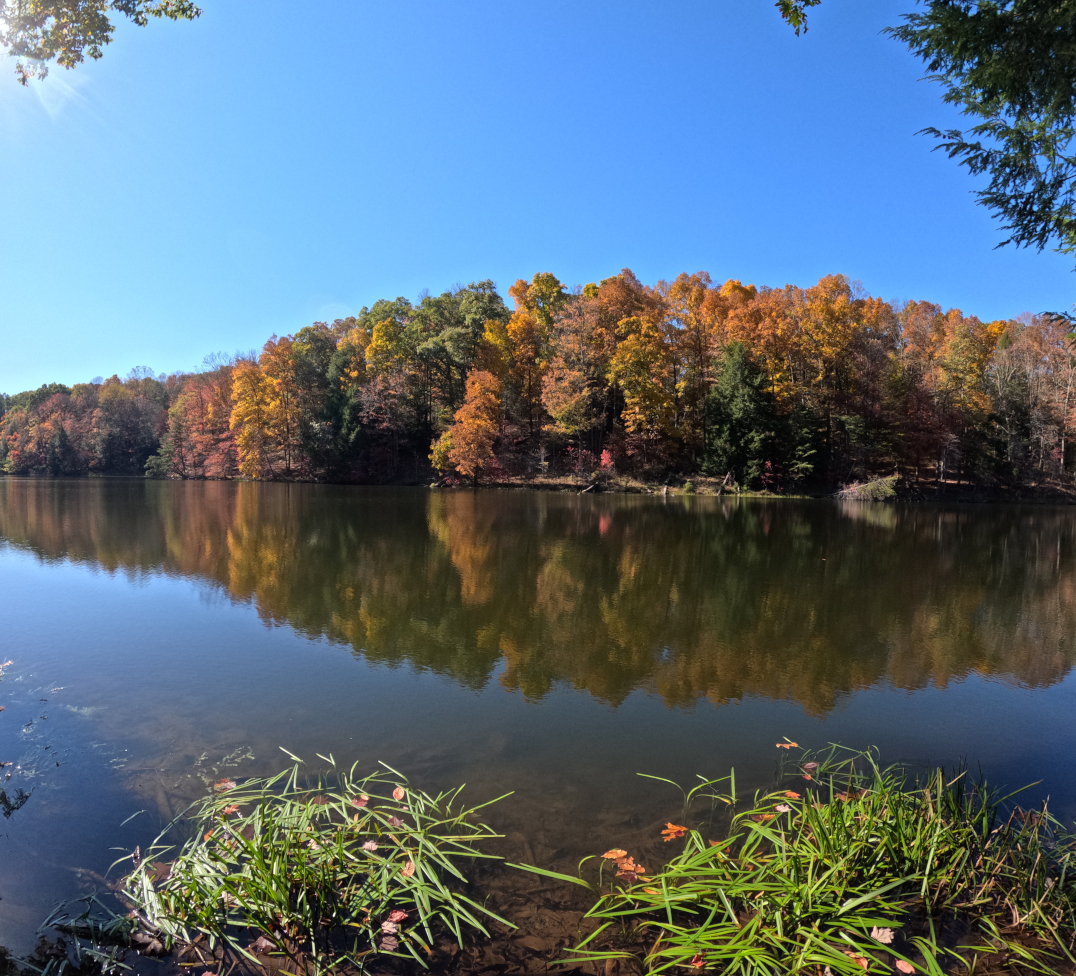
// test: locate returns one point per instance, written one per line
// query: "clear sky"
(207, 184)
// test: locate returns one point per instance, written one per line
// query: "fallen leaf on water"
(858, 960)
(370, 845)
(615, 854)
(905, 967)
(792, 794)
(788, 745)
(397, 915)
(391, 928)
(762, 817)
(408, 869)
(224, 784)
(230, 808)
(395, 822)
(320, 800)
(399, 793)
(388, 944)
(885, 936)
(807, 776)
(673, 831)
(697, 961)
(809, 766)
(652, 891)
(360, 801)
(260, 944)
(7, 664)
(782, 808)
(208, 834)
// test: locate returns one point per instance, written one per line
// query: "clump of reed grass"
(847, 868)
(877, 490)
(318, 876)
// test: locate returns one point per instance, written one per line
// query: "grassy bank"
(844, 867)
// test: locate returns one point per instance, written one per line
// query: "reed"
(312, 877)
(846, 868)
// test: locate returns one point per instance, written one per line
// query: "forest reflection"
(685, 598)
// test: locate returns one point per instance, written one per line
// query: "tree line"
(770, 388)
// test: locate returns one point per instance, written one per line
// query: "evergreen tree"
(741, 418)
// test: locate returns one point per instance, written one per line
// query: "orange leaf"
(905, 967)
(807, 776)
(762, 817)
(398, 793)
(788, 745)
(698, 961)
(673, 831)
(230, 808)
(408, 869)
(792, 794)
(858, 960)
(208, 834)
(615, 854)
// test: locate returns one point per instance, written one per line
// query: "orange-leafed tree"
(252, 420)
(468, 444)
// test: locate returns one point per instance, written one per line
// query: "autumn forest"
(777, 389)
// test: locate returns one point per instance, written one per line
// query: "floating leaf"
(224, 784)
(389, 943)
(782, 808)
(408, 869)
(390, 928)
(762, 817)
(885, 936)
(904, 967)
(792, 794)
(370, 845)
(860, 961)
(615, 854)
(320, 800)
(399, 793)
(360, 801)
(207, 835)
(807, 776)
(395, 822)
(230, 808)
(397, 915)
(673, 831)
(697, 961)
(810, 766)
(788, 745)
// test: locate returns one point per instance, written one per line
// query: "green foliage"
(741, 418)
(795, 12)
(67, 30)
(1010, 65)
(849, 866)
(339, 872)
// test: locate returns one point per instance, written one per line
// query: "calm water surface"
(554, 645)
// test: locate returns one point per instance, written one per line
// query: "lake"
(163, 634)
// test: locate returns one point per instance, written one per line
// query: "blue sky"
(207, 184)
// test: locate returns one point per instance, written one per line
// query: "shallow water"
(549, 644)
